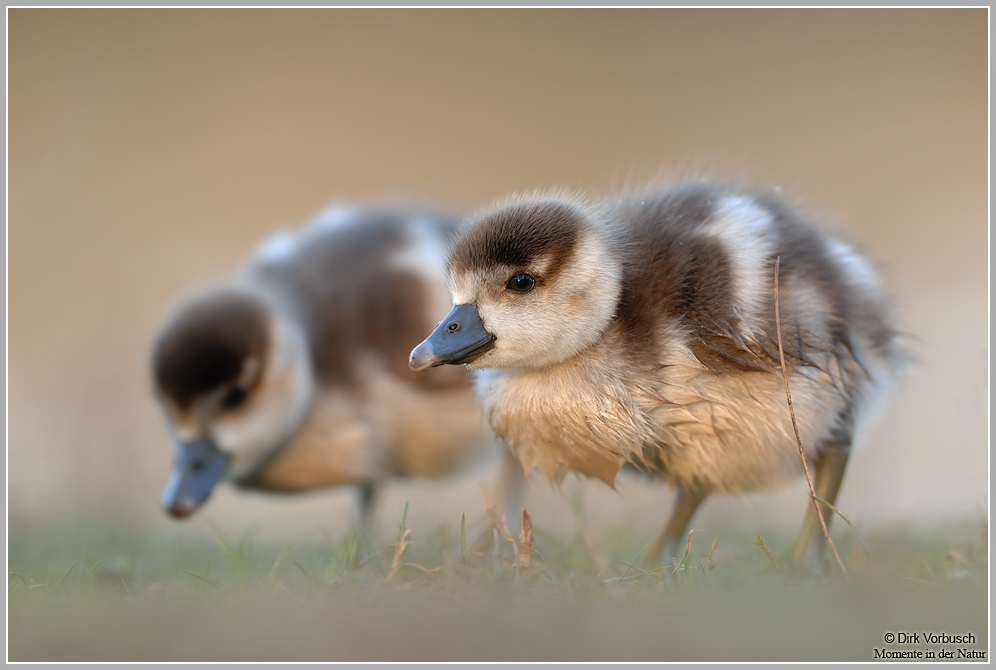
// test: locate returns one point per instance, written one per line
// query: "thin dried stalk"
(767, 552)
(711, 556)
(524, 557)
(795, 427)
(688, 549)
(399, 549)
(847, 521)
(427, 572)
(500, 525)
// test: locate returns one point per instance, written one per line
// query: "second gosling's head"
(534, 281)
(233, 379)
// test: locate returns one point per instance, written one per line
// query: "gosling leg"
(508, 498)
(669, 543)
(811, 547)
(511, 483)
(364, 524)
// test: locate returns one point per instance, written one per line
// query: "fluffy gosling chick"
(293, 376)
(641, 330)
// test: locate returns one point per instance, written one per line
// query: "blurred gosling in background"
(640, 330)
(294, 375)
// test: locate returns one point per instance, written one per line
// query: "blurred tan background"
(150, 150)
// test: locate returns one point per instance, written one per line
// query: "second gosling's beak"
(459, 338)
(198, 467)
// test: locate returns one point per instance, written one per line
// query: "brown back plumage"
(669, 271)
(343, 288)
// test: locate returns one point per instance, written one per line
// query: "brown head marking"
(206, 344)
(519, 235)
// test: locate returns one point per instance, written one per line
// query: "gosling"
(640, 330)
(293, 376)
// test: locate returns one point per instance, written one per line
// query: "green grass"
(219, 595)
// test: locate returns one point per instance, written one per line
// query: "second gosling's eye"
(234, 398)
(521, 283)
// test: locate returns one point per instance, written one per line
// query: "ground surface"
(121, 596)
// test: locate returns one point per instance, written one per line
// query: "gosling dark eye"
(521, 283)
(234, 398)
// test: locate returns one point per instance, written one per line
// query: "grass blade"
(404, 520)
(847, 521)
(271, 578)
(237, 563)
(635, 560)
(60, 580)
(91, 570)
(463, 538)
(11, 576)
(304, 572)
(210, 582)
(633, 567)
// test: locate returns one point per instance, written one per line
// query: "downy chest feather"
(581, 414)
(710, 431)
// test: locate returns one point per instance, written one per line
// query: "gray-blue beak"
(459, 338)
(198, 466)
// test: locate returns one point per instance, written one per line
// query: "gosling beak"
(198, 466)
(459, 338)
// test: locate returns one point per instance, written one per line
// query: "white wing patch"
(744, 229)
(282, 247)
(331, 218)
(424, 255)
(856, 269)
(277, 249)
(425, 252)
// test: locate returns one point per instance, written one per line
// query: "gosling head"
(233, 380)
(534, 282)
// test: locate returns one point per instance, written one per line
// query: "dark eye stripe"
(521, 283)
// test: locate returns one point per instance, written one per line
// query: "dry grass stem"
(623, 577)
(688, 549)
(711, 555)
(847, 521)
(524, 548)
(688, 546)
(500, 524)
(795, 427)
(399, 549)
(426, 572)
(767, 552)
(524, 557)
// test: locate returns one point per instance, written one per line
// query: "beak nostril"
(453, 327)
